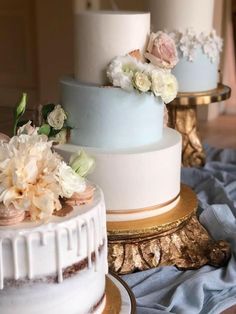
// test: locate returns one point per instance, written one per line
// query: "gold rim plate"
(119, 298)
(222, 92)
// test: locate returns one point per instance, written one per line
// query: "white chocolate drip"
(65, 237)
(15, 259)
(70, 239)
(89, 249)
(79, 244)
(96, 244)
(29, 253)
(1, 266)
(59, 258)
(43, 238)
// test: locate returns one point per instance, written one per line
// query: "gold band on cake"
(140, 210)
(185, 208)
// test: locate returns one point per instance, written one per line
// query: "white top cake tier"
(102, 35)
(181, 14)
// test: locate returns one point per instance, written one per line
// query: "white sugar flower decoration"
(189, 41)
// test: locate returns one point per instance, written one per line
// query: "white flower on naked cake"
(35, 182)
(149, 72)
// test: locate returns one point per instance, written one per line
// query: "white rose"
(165, 85)
(157, 82)
(69, 181)
(141, 82)
(57, 117)
(170, 88)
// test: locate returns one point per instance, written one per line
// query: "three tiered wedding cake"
(137, 159)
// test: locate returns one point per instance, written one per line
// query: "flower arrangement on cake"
(52, 121)
(35, 182)
(149, 72)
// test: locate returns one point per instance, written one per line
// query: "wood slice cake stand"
(174, 238)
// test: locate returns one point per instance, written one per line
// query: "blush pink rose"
(161, 51)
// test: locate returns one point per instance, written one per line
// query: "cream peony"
(28, 169)
(57, 117)
(69, 181)
(141, 82)
(161, 51)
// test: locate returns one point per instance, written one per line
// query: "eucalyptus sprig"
(19, 110)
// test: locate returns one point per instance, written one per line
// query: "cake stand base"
(175, 238)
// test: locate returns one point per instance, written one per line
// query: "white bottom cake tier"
(58, 266)
(82, 293)
(137, 183)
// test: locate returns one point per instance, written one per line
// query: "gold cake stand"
(183, 117)
(174, 238)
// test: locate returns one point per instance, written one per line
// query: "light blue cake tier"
(197, 76)
(111, 118)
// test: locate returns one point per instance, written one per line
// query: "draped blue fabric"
(207, 290)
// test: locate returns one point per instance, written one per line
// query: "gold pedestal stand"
(174, 238)
(183, 117)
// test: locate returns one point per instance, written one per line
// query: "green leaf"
(54, 132)
(46, 110)
(44, 129)
(19, 111)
